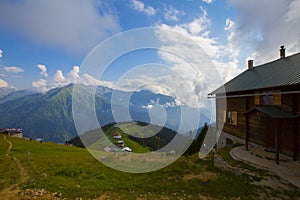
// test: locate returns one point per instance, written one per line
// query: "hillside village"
(13, 132)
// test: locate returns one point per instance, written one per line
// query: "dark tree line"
(197, 142)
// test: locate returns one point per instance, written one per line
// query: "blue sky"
(43, 43)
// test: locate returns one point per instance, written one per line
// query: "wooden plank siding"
(257, 128)
(262, 128)
(237, 105)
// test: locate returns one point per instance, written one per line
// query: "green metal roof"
(281, 72)
(275, 112)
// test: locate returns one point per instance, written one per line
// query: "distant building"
(120, 143)
(263, 106)
(13, 132)
(117, 135)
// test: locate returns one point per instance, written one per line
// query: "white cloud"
(140, 7)
(149, 107)
(173, 104)
(73, 76)
(40, 85)
(173, 14)
(59, 76)
(90, 80)
(43, 69)
(1, 53)
(230, 28)
(13, 69)
(198, 25)
(208, 1)
(59, 79)
(213, 63)
(3, 83)
(75, 26)
(262, 31)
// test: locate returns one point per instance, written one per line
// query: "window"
(267, 98)
(231, 118)
(264, 99)
(270, 99)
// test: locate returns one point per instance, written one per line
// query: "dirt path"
(269, 181)
(12, 191)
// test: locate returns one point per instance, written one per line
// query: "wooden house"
(262, 106)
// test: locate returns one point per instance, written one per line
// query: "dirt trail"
(12, 191)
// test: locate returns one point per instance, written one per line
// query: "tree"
(197, 142)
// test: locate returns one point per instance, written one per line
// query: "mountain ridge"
(49, 115)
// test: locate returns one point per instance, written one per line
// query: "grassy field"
(8, 173)
(73, 172)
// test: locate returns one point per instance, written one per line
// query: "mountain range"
(49, 115)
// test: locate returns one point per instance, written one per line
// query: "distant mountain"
(11, 95)
(5, 91)
(49, 116)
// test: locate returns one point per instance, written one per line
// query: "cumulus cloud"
(90, 80)
(207, 1)
(148, 107)
(13, 69)
(75, 26)
(173, 14)
(40, 85)
(199, 24)
(1, 53)
(43, 69)
(59, 79)
(264, 31)
(3, 83)
(173, 104)
(198, 63)
(140, 7)
(230, 28)
(73, 76)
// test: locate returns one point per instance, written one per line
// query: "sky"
(44, 43)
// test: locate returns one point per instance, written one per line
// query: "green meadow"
(73, 173)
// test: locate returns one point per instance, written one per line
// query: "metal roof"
(275, 112)
(281, 72)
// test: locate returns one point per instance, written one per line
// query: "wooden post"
(296, 139)
(277, 141)
(247, 133)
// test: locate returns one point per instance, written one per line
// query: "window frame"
(267, 98)
(232, 117)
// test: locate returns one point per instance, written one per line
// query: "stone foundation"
(226, 139)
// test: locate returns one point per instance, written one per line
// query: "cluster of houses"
(119, 142)
(13, 132)
(117, 136)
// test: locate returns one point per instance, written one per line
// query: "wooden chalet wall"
(261, 128)
(237, 105)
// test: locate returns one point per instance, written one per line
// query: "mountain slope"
(15, 95)
(49, 116)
